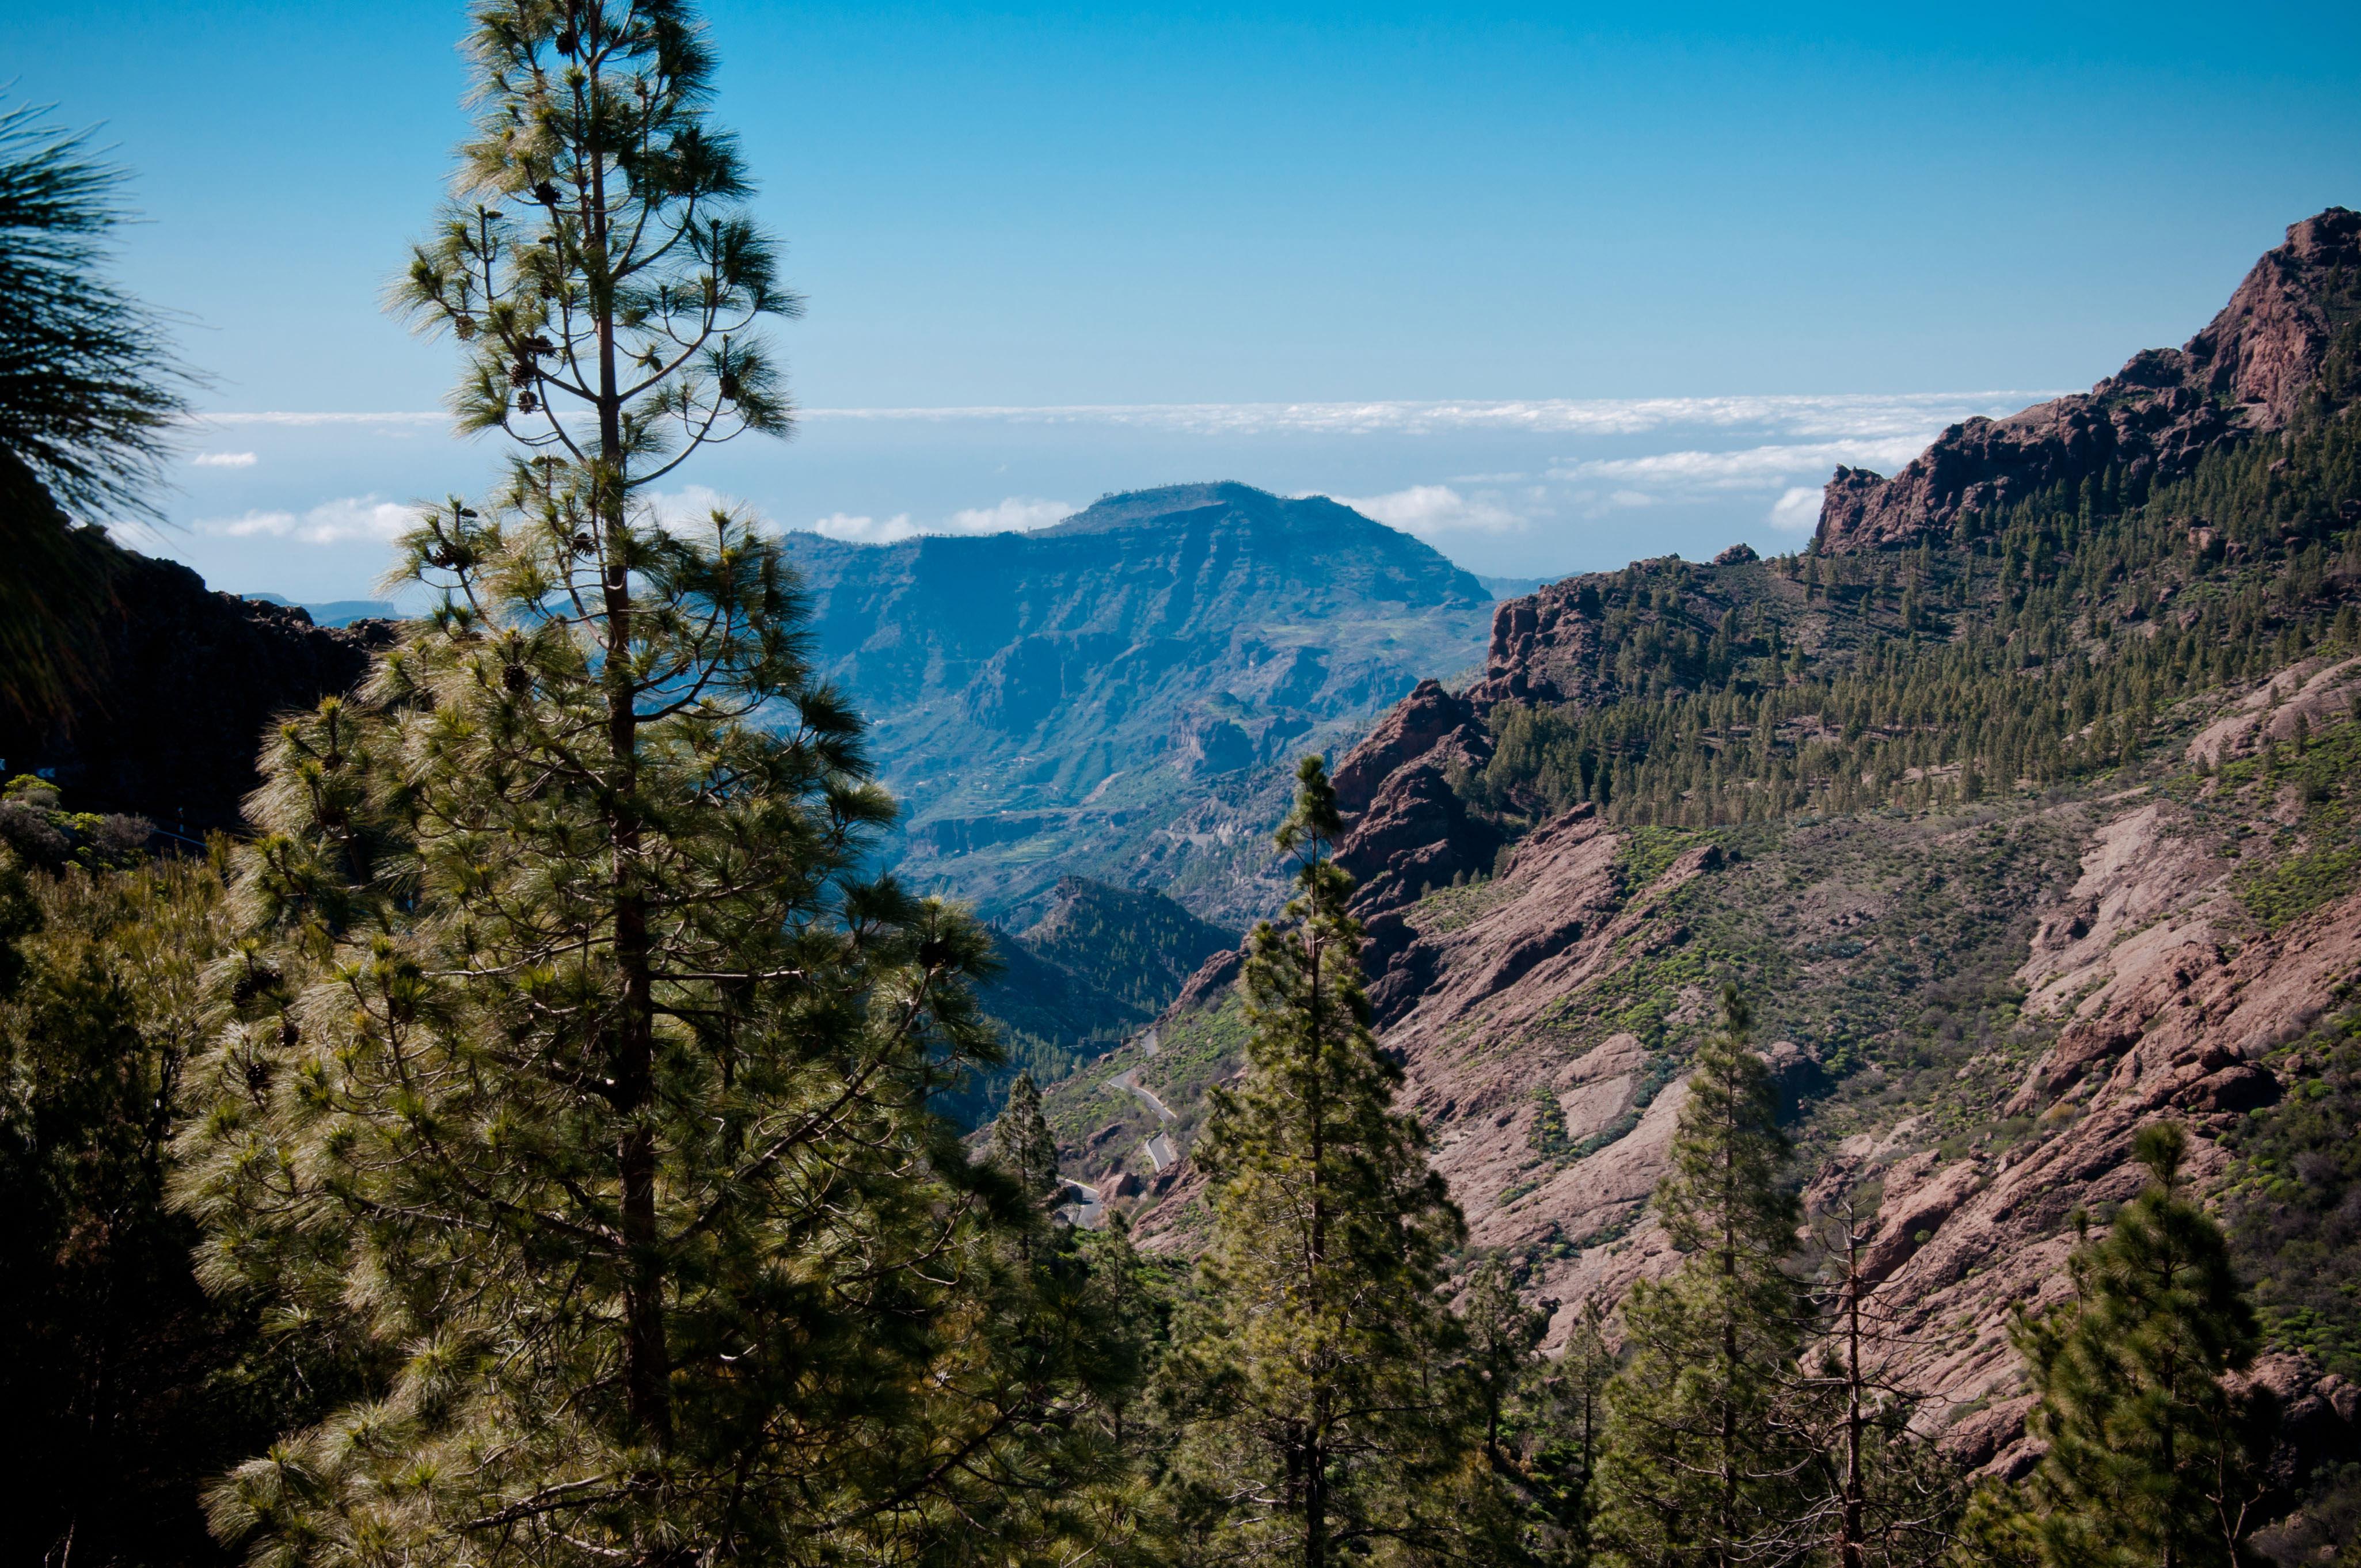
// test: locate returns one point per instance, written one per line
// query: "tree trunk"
(647, 1369)
(1726, 1545)
(1849, 1541)
(1315, 1489)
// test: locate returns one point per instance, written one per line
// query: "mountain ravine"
(2026, 807)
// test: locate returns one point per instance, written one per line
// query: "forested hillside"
(1090, 974)
(2019, 820)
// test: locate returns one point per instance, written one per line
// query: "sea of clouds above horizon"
(306, 505)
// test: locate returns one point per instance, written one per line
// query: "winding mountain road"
(1128, 1079)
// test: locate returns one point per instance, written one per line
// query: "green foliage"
(2292, 1220)
(1697, 1468)
(89, 390)
(1095, 971)
(1645, 853)
(2081, 616)
(126, 1387)
(1312, 1379)
(2153, 1457)
(1555, 1431)
(2322, 773)
(35, 825)
(600, 256)
(1539, 1416)
(1022, 1146)
(1503, 1335)
(1136, 947)
(90, 396)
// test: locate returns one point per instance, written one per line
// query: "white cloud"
(272, 417)
(224, 460)
(331, 522)
(865, 530)
(1016, 514)
(1425, 510)
(1697, 475)
(689, 511)
(1917, 414)
(1797, 511)
(276, 524)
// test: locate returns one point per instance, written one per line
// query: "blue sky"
(1902, 212)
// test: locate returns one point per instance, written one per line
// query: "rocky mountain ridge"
(2250, 372)
(181, 685)
(1970, 996)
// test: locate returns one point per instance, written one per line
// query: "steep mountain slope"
(1104, 697)
(2020, 824)
(1097, 968)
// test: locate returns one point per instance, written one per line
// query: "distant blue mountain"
(1122, 696)
(336, 612)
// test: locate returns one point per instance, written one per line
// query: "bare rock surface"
(2149, 1005)
(2310, 693)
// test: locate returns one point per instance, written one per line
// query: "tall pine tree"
(2155, 1459)
(572, 1056)
(1502, 1333)
(1700, 1459)
(1323, 1415)
(1022, 1144)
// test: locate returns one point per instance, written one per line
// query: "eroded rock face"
(2159, 996)
(1545, 648)
(2161, 1016)
(1410, 732)
(2312, 692)
(1408, 829)
(2245, 374)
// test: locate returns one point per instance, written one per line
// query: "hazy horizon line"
(1805, 412)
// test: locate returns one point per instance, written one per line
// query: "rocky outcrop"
(1411, 830)
(2159, 1019)
(182, 685)
(1417, 834)
(1545, 648)
(2247, 373)
(1411, 732)
(2309, 694)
